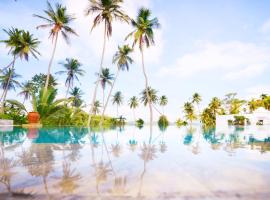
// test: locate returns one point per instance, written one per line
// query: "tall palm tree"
(27, 90)
(8, 82)
(189, 112)
(144, 36)
(105, 77)
(20, 43)
(58, 20)
(133, 104)
(107, 11)
(118, 100)
(72, 70)
(163, 101)
(152, 93)
(122, 59)
(196, 98)
(76, 93)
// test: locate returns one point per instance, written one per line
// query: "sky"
(212, 47)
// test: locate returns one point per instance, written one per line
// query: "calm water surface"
(130, 163)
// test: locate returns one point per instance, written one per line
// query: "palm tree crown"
(152, 94)
(107, 11)
(57, 20)
(8, 80)
(96, 107)
(133, 102)
(105, 77)
(163, 100)
(122, 58)
(76, 93)
(27, 90)
(72, 69)
(196, 98)
(143, 33)
(118, 98)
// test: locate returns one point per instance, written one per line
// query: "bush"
(17, 119)
(239, 120)
(180, 123)
(163, 121)
(140, 123)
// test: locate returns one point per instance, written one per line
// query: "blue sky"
(207, 46)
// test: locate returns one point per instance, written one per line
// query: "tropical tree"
(152, 93)
(163, 101)
(253, 105)
(189, 112)
(105, 77)
(8, 82)
(118, 100)
(196, 98)
(38, 82)
(107, 11)
(96, 107)
(144, 36)
(133, 104)
(58, 20)
(215, 105)
(76, 95)
(72, 70)
(122, 59)
(27, 90)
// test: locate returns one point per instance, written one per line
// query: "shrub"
(163, 121)
(180, 123)
(140, 123)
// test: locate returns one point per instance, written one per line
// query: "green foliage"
(180, 123)
(163, 121)
(139, 123)
(15, 111)
(38, 81)
(239, 120)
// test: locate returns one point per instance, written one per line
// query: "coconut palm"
(96, 107)
(189, 112)
(27, 90)
(72, 70)
(107, 11)
(163, 101)
(152, 93)
(20, 43)
(105, 77)
(118, 100)
(196, 98)
(133, 104)
(58, 20)
(144, 36)
(215, 105)
(8, 82)
(122, 59)
(76, 93)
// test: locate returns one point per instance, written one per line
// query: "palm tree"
(58, 21)
(189, 112)
(20, 43)
(144, 36)
(123, 60)
(96, 107)
(72, 70)
(105, 77)
(133, 104)
(215, 105)
(76, 93)
(118, 100)
(152, 93)
(163, 101)
(8, 82)
(27, 90)
(196, 98)
(107, 11)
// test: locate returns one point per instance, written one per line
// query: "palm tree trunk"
(97, 82)
(117, 110)
(134, 117)
(50, 63)
(67, 90)
(147, 94)
(110, 93)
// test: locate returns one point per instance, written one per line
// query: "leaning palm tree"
(27, 90)
(107, 11)
(20, 43)
(163, 101)
(133, 104)
(196, 98)
(105, 77)
(118, 100)
(122, 59)
(144, 36)
(72, 70)
(58, 20)
(8, 82)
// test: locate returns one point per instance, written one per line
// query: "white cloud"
(233, 58)
(257, 90)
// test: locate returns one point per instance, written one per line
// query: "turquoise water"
(131, 163)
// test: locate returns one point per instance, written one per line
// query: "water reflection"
(86, 163)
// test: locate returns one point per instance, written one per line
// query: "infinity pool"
(131, 163)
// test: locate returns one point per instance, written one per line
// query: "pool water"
(131, 163)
